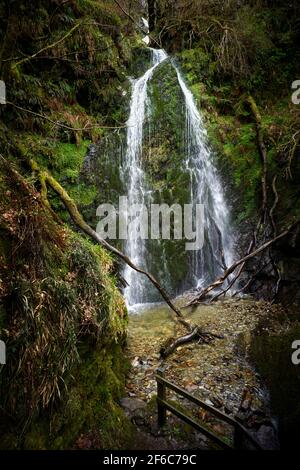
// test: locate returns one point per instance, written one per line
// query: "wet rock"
(131, 404)
(135, 362)
(139, 417)
(208, 402)
(217, 402)
(267, 437)
(191, 388)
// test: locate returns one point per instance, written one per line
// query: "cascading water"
(205, 188)
(133, 177)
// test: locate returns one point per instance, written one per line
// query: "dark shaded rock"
(267, 437)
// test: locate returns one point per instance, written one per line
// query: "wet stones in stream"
(218, 373)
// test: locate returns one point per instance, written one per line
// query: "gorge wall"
(67, 107)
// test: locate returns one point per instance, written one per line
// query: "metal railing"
(240, 433)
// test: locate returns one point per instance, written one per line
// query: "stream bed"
(223, 373)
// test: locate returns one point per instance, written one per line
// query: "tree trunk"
(152, 14)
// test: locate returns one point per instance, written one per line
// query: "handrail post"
(161, 394)
(238, 438)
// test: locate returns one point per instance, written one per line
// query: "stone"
(132, 404)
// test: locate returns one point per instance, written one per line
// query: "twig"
(64, 126)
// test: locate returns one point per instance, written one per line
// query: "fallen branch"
(197, 334)
(45, 178)
(80, 222)
(218, 282)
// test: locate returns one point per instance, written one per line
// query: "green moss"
(90, 406)
(65, 367)
(232, 133)
(69, 159)
(163, 156)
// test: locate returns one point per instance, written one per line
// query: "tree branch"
(49, 46)
(80, 222)
(64, 126)
(196, 334)
(218, 282)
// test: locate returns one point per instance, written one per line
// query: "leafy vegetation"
(58, 300)
(66, 67)
(61, 314)
(227, 52)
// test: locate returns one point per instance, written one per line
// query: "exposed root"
(276, 200)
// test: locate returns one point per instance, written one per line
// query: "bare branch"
(49, 46)
(64, 126)
(80, 222)
(218, 282)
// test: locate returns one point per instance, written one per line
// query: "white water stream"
(205, 188)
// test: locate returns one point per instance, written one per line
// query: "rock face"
(169, 152)
(271, 352)
(162, 156)
(258, 421)
(267, 436)
(132, 404)
(286, 256)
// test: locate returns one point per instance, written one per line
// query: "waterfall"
(205, 188)
(133, 177)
